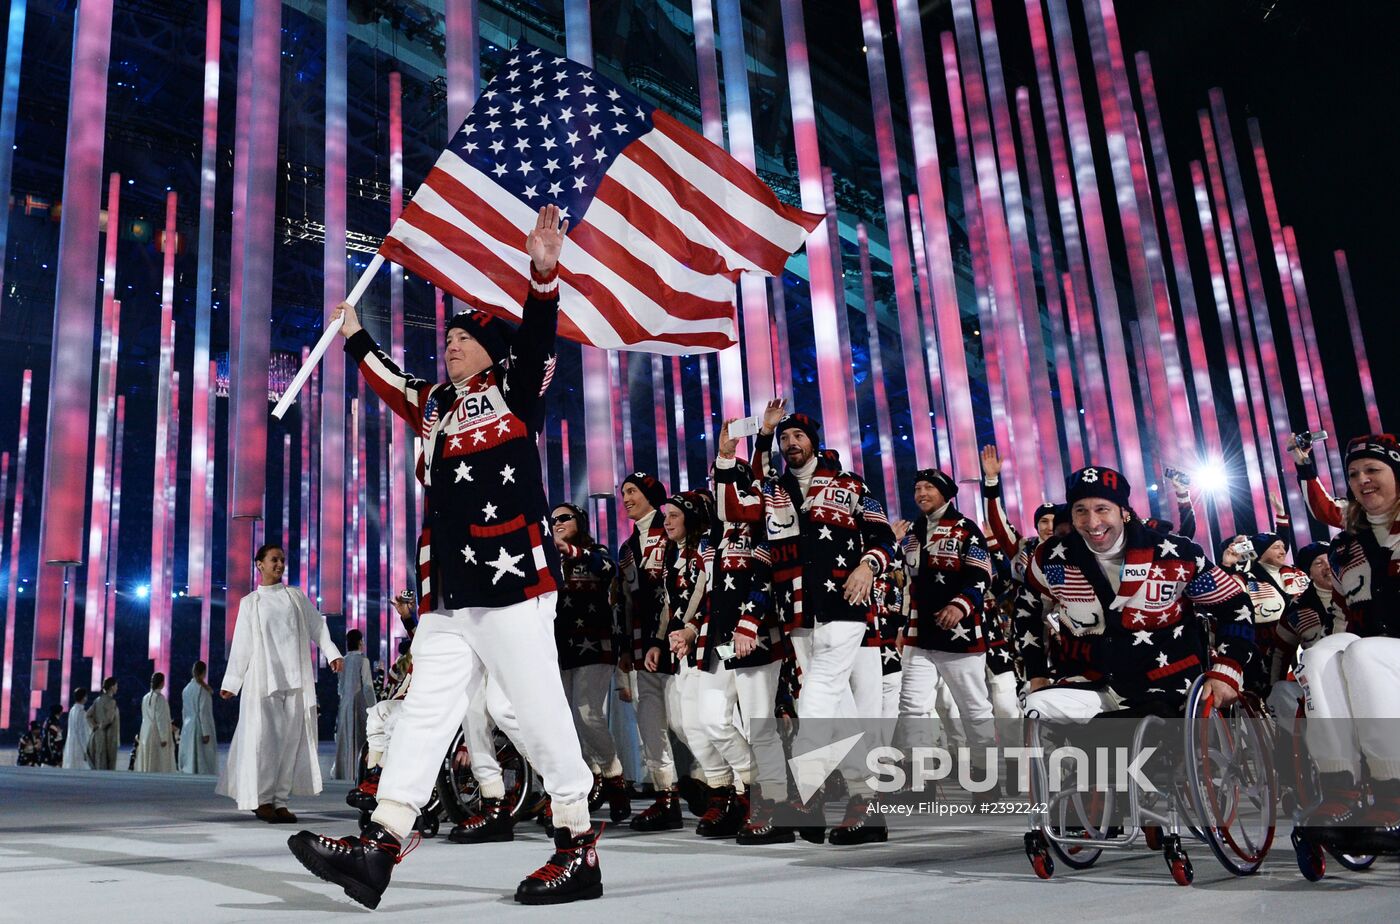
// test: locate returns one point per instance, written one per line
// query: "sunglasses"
(562, 518)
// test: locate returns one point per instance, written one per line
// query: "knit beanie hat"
(940, 480)
(652, 489)
(492, 333)
(1097, 481)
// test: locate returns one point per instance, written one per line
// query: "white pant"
(283, 743)
(1006, 706)
(868, 683)
(652, 728)
(380, 720)
(1069, 704)
(826, 656)
(452, 653)
(725, 755)
(889, 694)
(966, 677)
(683, 717)
(486, 713)
(1350, 686)
(587, 688)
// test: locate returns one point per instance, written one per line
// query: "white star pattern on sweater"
(489, 511)
(505, 564)
(507, 475)
(463, 472)
(469, 554)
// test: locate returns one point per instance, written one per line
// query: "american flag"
(1069, 585)
(1213, 586)
(661, 221)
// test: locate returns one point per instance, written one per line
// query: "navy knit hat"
(1097, 481)
(1262, 541)
(1044, 510)
(1311, 553)
(652, 489)
(808, 425)
(492, 333)
(1382, 447)
(940, 480)
(692, 506)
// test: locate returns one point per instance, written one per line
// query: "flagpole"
(290, 395)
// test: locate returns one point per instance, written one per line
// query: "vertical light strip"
(304, 488)
(1259, 311)
(205, 590)
(1185, 286)
(782, 346)
(564, 458)
(1240, 315)
(159, 599)
(702, 18)
(1293, 335)
(106, 397)
(1309, 334)
(1172, 417)
(952, 351)
(1120, 394)
(311, 485)
(6, 627)
(678, 402)
(1245, 416)
(16, 549)
(63, 498)
(9, 111)
(1064, 369)
(387, 447)
(1023, 453)
(65, 677)
(977, 244)
(200, 456)
(832, 380)
(758, 346)
(113, 563)
(939, 408)
(1358, 344)
(330, 549)
(664, 469)
(353, 553)
(1084, 326)
(884, 431)
(1014, 210)
(901, 258)
(706, 402)
(843, 322)
(463, 60)
(401, 442)
(167, 563)
(597, 384)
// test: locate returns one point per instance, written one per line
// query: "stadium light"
(1212, 477)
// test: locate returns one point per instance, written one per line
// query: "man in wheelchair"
(1127, 604)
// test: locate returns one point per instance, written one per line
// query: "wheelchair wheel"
(1356, 863)
(1229, 767)
(1085, 814)
(1039, 854)
(1312, 862)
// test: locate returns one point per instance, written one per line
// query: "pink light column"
(1283, 265)
(401, 463)
(1358, 343)
(832, 380)
(1083, 323)
(9, 112)
(939, 410)
(1032, 335)
(885, 431)
(598, 386)
(63, 514)
(952, 351)
(1309, 334)
(205, 589)
(901, 257)
(115, 532)
(1125, 417)
(16, 534)
(758, 345)
(330, 552)
(1245, 416)
(1259, 311)
(1064, 369)
(167, 563)
(1185, 285)
(106, 396)
(1172, 408)
(1022, 451)
(843, 319)
(159, 582)
(678, 405)
(200, 538)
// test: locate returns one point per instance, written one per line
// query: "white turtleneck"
(1381, 525)
(1111, 561)
(933, 517)
(804, 473)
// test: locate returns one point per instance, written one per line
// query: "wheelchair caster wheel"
(427, 825)
(1354, 862)
(1038, 852)
(1152, 837)
(1177, 861)
(1312, 862)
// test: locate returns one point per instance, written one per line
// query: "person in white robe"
(356, 689)
(273, 753)
(76, 745)
(199, 748)
(155, 750)
(105, 721)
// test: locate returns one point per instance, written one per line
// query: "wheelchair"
(1301, 799)
(1221, 790)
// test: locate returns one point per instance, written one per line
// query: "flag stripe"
(641, 214)
(644, 277)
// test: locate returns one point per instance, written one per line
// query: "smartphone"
(725, 651)
(745, 426)
(1178, 475)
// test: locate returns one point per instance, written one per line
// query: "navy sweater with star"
(484, 541)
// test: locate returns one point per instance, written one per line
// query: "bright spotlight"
(143, 591)
(1212, 477)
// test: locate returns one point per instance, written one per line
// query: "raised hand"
(773, 413)
(1280, 511)
(546, 239)
(1299, 454)
(901, 529)
(991, 462)
(727, 443)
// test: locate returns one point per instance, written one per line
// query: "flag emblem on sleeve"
(661, 221)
